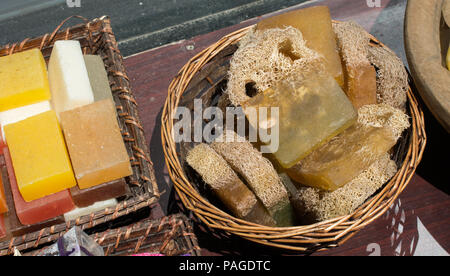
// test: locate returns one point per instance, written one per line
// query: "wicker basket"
(202, 77)
(96, 37)
(170, 236)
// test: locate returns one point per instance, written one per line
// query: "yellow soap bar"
(315, 25)
(95, 144)
(311, 112)
(23, 79)
(39, 156)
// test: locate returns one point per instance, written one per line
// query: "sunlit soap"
(227, 185)
(21, 113)
(316, 28)
(311, 112)
(95, 144)
(102, 192)
(39, 210)
(343, 158)
(98, 77)
(39, 155)
(23, 79)
(68, 77)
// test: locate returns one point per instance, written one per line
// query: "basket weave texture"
(205, 74)
(96, 37)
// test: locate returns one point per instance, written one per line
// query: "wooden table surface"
(419, 221)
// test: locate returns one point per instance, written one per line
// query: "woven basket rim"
(318, 236)
(100, 29)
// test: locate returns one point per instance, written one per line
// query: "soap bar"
(98, 77)
(360, 75)
(102, 192)
(2, 227)
(23, 79)
(39, 155)
(98, 206)
(347, 155)
(3, 202)
(39, 210)
(21, 113)
(95, 144)
(259, 174)
(68, 77)
(315, 25)
(311, 112)
(225, 183)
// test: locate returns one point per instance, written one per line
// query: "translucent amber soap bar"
(39, 210)
(23, 79)
(353, 151)
(68, 77)
(98, 77)
(102, 192)
(311, 112)
(95, 144)
(39, 155)
(315, 25)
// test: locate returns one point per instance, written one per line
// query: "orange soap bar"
(315, 25)
(95, 144)
(41, 209)
(38, 152)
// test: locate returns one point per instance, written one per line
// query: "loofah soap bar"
(68, 77)
(41, 163)
(259, 175)
(348, 154)
(360, 76)
(95, 144)
(23, 79)
(315, 25)
(311, 112)
(226, 184)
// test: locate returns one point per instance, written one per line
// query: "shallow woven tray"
(170, 236)
(203, 77)
(97, 37)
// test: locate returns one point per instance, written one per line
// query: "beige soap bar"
(311, 112)
(315, 25)
(98, 77)
(347, 155)
(225, 183)
(95, 144)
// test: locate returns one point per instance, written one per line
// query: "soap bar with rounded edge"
(315, 25)
(98, 77)
(102, 192)
(23, 79)
(311, 112)
(227, 185)
(95, 144)
(38, 152)
(39, 210)
(68, 77)
(21, 113)
(98, 206)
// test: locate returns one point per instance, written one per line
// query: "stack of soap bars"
(332, 132)
(61, 145)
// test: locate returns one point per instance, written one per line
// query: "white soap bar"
(98, 206)
(21, 113)
(68, 77)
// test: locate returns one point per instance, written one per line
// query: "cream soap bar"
(23, 79)
(68, 77)
(98, 206)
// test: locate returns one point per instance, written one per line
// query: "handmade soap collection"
(341, 107)
(62, 151)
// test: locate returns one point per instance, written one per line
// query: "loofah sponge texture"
(353, 42)
(318, 205)
(392, 78)
(266, 56)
